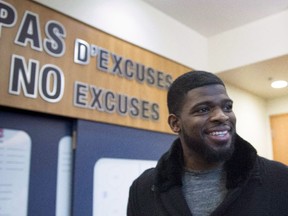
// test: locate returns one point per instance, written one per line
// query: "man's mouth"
(219, 133)
(220, 136)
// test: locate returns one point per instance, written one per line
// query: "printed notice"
(15, 152)
(112, 180)
(64, 177)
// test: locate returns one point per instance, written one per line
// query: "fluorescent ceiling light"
(279, 84)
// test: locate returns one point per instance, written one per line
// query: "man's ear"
(173, 122)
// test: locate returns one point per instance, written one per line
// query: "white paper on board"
(15, 154)
(64, 177)
(112, 180)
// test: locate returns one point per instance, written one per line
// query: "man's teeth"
(219, 133)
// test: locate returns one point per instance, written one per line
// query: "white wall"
(252, 120)
(137, 22)
(248, 44)
(277, 106)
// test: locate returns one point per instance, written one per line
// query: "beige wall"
(277, 106)
(253, 114)
(252, 120)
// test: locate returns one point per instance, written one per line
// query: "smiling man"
(209, 169)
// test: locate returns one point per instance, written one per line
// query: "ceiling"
(211, 17)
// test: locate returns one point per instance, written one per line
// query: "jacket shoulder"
(141, 195)
(273, 167)
(275, 185)
(274, 174)
(145, 180)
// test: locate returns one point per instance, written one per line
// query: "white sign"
(112, 180)
(15, 151)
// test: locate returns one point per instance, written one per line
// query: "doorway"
(279, 127)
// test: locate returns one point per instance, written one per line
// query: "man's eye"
(203, 110)
(228, 107)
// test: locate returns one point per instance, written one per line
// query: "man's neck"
(196, 162)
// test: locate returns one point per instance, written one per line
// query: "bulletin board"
(36, 164)
(105, 166)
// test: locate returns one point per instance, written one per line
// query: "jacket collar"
(170, 166)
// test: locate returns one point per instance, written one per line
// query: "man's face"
(207, 123)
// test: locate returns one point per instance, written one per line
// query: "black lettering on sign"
(96, 95)
(122, 108)
(29, 31)
(128, 69)
(8, 15)
(23, 77)
(109, 102)
(54, 44)
(80, 94)
(145, 110)
(169, 80)
(104, 100)
(116, 64)
(134, 110)
(140, 73)
(150, 76)
(103, 60)
(160, 79)
(81, 52)
(52, 82)
(155, 111)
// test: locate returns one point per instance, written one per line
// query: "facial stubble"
(209, 154)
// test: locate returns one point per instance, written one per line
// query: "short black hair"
(184, 83)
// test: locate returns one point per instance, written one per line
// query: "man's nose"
(219, 115)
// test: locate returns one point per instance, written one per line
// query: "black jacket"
(256, 186)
